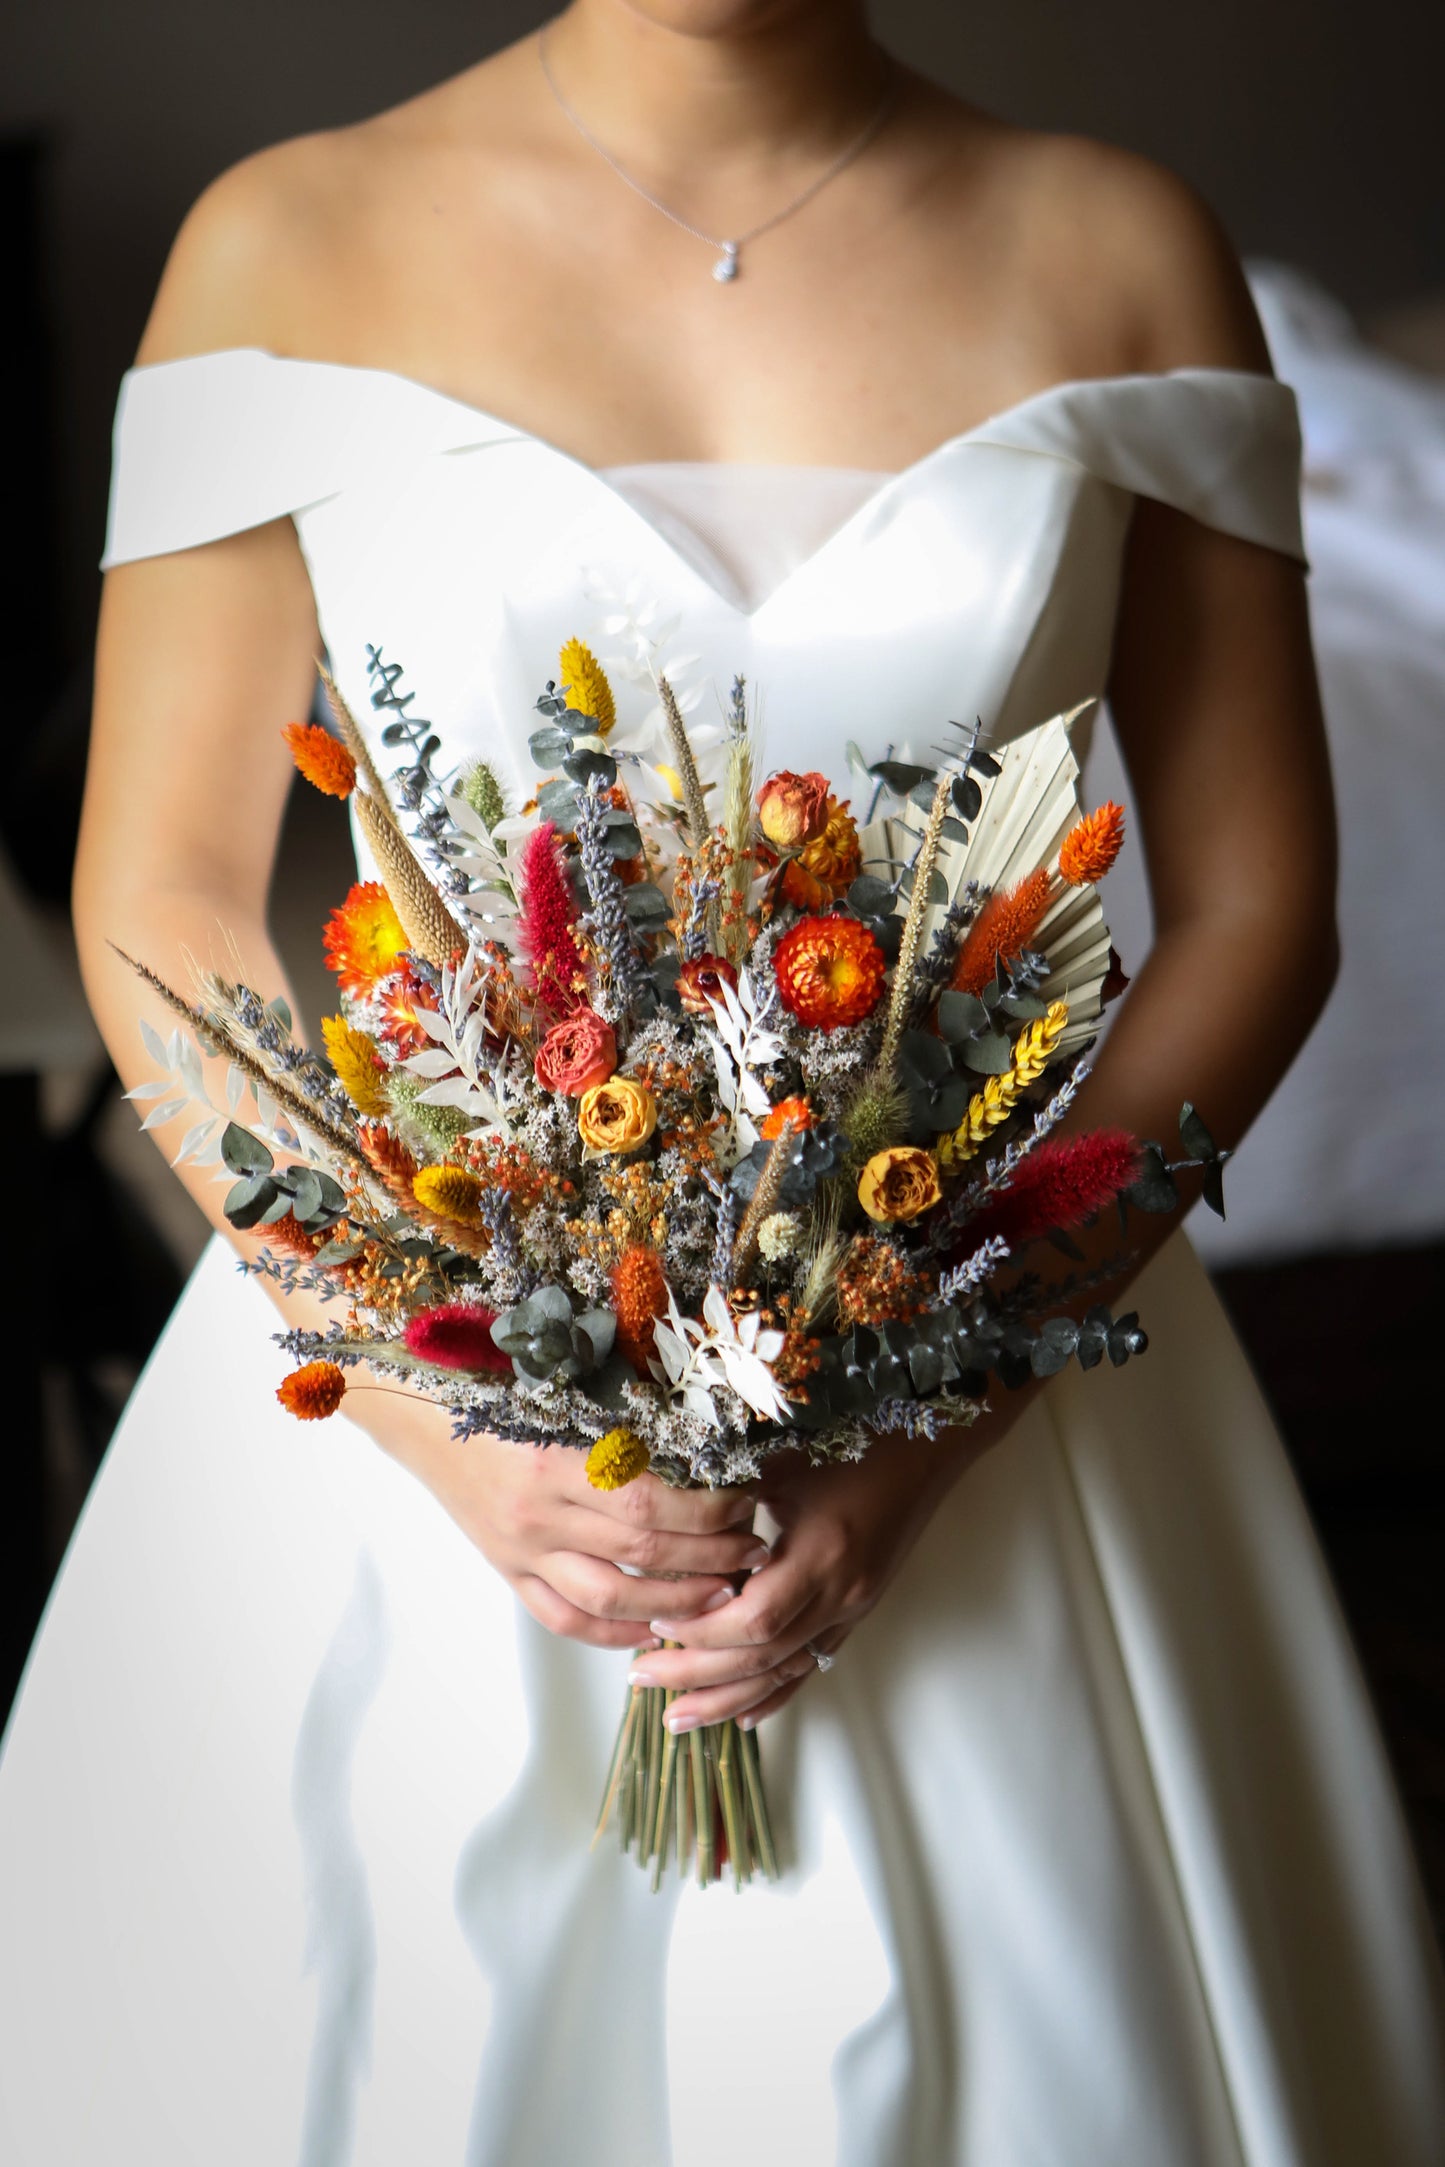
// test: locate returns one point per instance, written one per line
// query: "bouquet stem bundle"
(696, 1799)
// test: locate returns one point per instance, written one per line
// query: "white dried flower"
(779, 1236)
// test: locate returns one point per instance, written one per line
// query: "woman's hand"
(845, 1531)
(561, 1544)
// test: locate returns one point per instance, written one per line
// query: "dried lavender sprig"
(263, 1030)
(622, 973)
(293, 1275)
(973, 1273)
(936, 968)
(907, 1418)
(721, 1271)
(509, 1275)
(1033, 1295)
(701, 901)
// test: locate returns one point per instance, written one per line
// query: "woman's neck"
(752, 92)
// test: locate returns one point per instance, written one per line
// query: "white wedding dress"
(1094, 1860)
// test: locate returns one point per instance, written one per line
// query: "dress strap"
(214, 443)
(1220, 444)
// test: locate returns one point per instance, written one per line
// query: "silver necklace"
(727, 266)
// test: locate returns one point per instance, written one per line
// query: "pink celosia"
(456, 1335)
(545, 923)
(1059, 1184)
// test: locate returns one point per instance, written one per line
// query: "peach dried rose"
(826, 868)
(700, 982)
(618, 1115)
(899, 1183)
(792, 809)
(577, 1053)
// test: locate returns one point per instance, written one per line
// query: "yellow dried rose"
(618, 1115)
(899, 1184)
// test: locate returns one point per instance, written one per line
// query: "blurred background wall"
(1312, 128)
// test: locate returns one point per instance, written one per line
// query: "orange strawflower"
(322, 759)
(1090, 849)
(639, 1297)
(829, 972)
(400, 1025)
(826, 868)
(1003, 928)
(363, 938)
(798, 1111)
(312, 1393)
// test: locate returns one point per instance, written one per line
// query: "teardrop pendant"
(726, 267)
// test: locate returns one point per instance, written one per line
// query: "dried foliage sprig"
(431, 931)
(622, 975)
(763, 1201)
(680, 745)
(900, 999)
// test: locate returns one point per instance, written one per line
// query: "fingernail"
(747, 1723)
(677, 1724)
(640, 1677)
(761, 1556)
(719, 1601)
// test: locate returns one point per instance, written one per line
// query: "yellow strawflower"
(588, 691)
(1033, 1050)
(353, 1056)
(617, 1459)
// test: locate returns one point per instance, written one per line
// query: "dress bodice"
(982, 580)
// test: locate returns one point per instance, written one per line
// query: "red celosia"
(546, 921)
(1059, 1184)
(456, 1335)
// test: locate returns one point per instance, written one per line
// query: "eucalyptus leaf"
(623, 838)
(248, 1199)
(582, 764)
(967, 797)
(870, 898)
(901, 776)
(243, 1153)
(645, 904)
(550, 747)
(960, 1015)
(557, 802)
(1195, 1136)
(989, 1054)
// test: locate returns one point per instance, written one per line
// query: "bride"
(705, 311)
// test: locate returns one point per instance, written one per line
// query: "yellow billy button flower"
(899, 1183)
(618, 1115)
(617, 1459)
(449, 1191)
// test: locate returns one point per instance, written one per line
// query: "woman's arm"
(1216, 704)
(202, 656)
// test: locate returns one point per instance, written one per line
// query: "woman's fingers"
(764, 1611)
(650, 1503)
(716, 1703)
(605, 1591)
(559, 1616)
(656, 1550)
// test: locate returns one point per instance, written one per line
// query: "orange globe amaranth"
(829, 972)
(314, 1392)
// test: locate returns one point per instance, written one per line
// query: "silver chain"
(726, 268)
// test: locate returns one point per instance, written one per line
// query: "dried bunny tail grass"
(1034, 1048)
(692, 797)
(639, 1298)
(906, 967)
(431, 931)
(764, 1201)
(588, 692)
(354, 1057)
(212, 1032)
(352, 738)
(1089, 849)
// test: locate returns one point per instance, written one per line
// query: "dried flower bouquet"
(681, 1120)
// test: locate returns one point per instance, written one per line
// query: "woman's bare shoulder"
(1159, 259)
(281, 248)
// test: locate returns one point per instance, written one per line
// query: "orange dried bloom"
(401, 1027)
(1004, 927)
(874, 1285)
(1090, 849)
(639, 1297)
(829, 971)
(322, 759)
(363, 939)
(314, 1392)
(827, 867)
(288, 1234)
(388, 1158)
(798, 1111)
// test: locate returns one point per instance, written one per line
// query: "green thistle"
(427, 1131)
(873, 1118)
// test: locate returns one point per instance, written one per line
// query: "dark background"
(1313, 129)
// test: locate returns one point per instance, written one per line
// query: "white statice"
(695, 1356)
